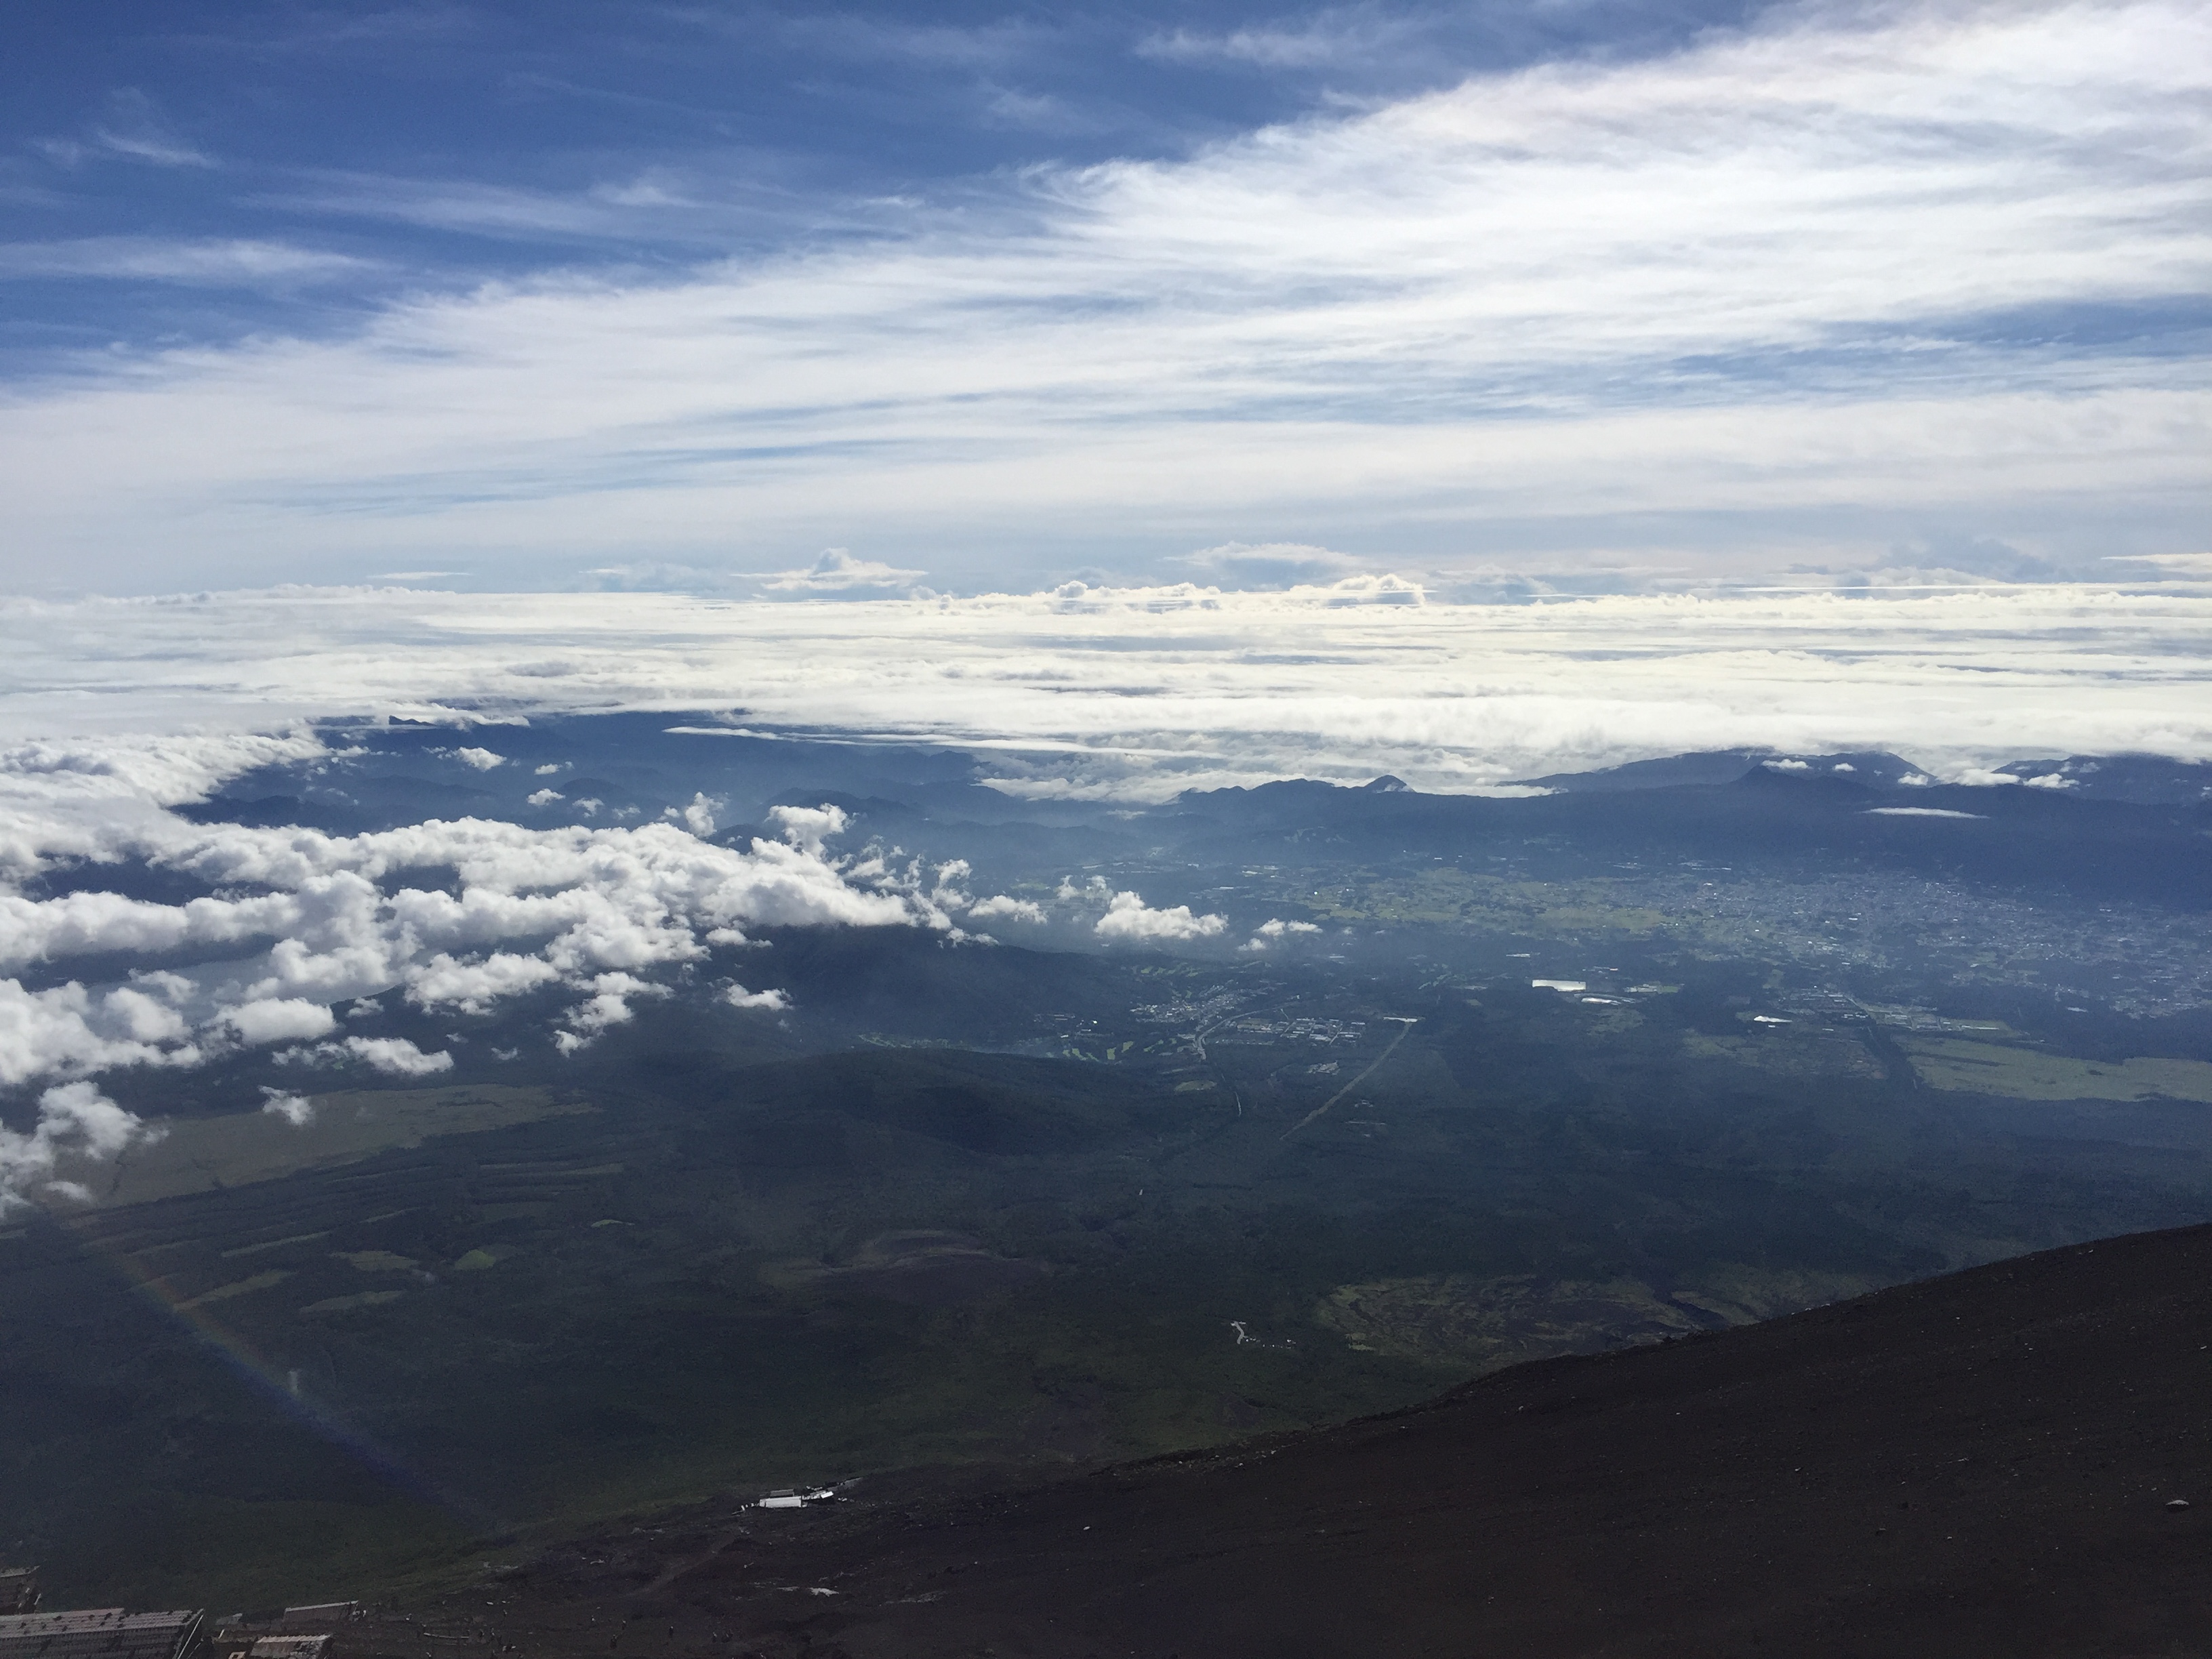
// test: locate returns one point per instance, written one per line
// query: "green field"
(275, 1364)
(1991, 1069)
(203, 1154)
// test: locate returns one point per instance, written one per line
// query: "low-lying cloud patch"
(1275, 930)
(1129, 918)
(72, 1117)
(300, 922)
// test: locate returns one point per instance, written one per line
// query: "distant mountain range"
(2142, 780)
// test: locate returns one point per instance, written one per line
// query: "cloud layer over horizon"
(1118, 693)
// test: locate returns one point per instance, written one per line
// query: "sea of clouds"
(1132, 693)
(113, 712)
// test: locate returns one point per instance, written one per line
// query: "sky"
(829, 301)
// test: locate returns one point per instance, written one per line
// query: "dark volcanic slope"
(1976, 1465)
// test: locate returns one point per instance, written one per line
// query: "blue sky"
(369, 151)
(1585, 295)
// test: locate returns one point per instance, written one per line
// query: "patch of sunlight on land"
(1486, 1324)
(1990, 1068)
(270, 1244)
(375, 1262)
(1788, 1051)
(348, 1303)
(242, 1287)
(202, 1154)
(1454, 896)
(1742, 1294)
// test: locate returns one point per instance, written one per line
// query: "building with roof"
(282, 1647)
(97, 1633)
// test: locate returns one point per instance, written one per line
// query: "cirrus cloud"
(1850, 276)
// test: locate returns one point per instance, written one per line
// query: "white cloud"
(473, 986)
(75, 1118)
(132, 126)
(1271, 564)
(398, 1057)
(279, 1019)
(1803, 290)
(808, 828)
(737, 997)
(948, 893)
(67, 1031)
(198, 263)
(1274, 930)
(1118, 694)
(295, 1110)
(393, 1056)
(837, 572)
(1128, 917)
(591, 908)
(545, 797)
(1002, 907)
(1916, 812)
(609, 1005)
(482, 759)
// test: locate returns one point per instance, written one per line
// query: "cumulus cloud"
(808, 828)
(1274, 930)
(393, 1056)
(838, 574)
(68, 1031)
(737, 997)
(295, 1110)
(73, 1118)
(472, 987)
(1129, 918)
(482, 759)
(322, 920)
(608, 1005)
(396, 1057)
(279, 1019)
(1001, 908)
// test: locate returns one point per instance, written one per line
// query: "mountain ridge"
(2008, 1460)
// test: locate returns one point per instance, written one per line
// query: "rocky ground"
(1996, 1462)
